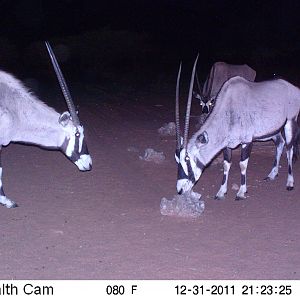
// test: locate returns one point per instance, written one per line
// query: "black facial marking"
(199, 164)
(180, 173)
(205, 110)
(75, 153)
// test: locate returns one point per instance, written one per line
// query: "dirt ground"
(106, 224)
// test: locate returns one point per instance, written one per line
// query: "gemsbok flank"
(24, 118)
(244, 112)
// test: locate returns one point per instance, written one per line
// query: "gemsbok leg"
(290, 131)
(3, 199)
(279, 143)
(227, 153)
(245, 154)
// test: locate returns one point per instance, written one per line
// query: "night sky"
(155, 34)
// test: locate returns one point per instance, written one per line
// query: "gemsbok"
(26, 119)
(244, 112)
(219, 73)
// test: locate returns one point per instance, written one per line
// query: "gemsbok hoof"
(289, 188)
(239, 198)
(270, 178)
(220, 198)
(9, 205)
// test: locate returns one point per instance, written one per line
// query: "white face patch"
(176, 158)
(84, 162)
(183, 185)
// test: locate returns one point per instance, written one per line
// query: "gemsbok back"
(24, 118)
(244, 112)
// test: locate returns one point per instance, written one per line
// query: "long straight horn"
(188, 107)
(198, 84)
(178, 143)
(211, 82)
(63, 85)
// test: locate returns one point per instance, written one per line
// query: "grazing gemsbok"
(244, 112)
(24, 118)
(219, 73)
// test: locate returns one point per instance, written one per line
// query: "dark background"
(139, 44)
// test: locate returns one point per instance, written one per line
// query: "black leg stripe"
(224, 179)
(290, 170)
(243, 179)
(227, 153)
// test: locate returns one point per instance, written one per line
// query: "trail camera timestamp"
(234, 290)
(267, 290)
(203, 290)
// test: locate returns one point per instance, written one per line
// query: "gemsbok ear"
(64, 118)
(196, 95)
(202, 138)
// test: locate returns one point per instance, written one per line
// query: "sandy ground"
(106, 224)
